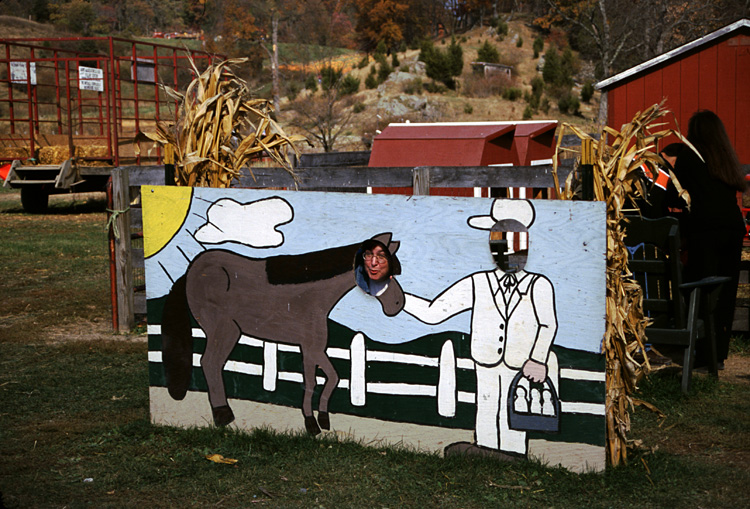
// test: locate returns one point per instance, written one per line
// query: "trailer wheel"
(34, 200)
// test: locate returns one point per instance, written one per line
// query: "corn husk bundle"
(617, 181)
(219, 129)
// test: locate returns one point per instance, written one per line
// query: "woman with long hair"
(714, 227)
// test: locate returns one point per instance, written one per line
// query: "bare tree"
(627, 32)
(273, 56)
(323, 116)
(667, 24)
(597, 20)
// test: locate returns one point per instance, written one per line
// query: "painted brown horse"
(285, 299)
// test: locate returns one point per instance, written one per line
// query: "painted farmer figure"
(513, 325)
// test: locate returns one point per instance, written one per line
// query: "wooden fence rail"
(129, 299)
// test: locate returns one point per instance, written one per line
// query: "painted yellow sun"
(164, 211)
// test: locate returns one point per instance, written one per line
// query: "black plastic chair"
(681, 314)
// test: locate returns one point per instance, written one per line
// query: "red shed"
(508, 143)
(711, 73)
(464, 144)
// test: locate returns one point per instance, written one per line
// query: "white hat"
(520, 210)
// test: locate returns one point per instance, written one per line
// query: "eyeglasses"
(380, 257)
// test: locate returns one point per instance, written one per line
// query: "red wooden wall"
(714, 77)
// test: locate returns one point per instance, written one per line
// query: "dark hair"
(706, 132)
(394, 266)
(673, 149)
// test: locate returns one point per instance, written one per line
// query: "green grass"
(75, 407)
(54, 266)
(301, 53)
(191, 44)
(740, 345)
(78, 411)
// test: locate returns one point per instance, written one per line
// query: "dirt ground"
(90, 331)
(736, 370)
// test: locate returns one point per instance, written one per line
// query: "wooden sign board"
(259, 315)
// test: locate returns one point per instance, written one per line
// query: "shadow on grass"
(61, 204)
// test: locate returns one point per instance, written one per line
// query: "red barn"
(711, 73)
(519, 143)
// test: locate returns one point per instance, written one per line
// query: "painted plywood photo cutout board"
(384, 318)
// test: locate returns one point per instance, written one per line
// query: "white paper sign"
(90, 78)
(18, 72)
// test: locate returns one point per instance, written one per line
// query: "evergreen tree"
(438, 64)
(384, 71)
(455, 59)
(40, 11)
(551, 70)
(587, 91)
(380, 50)
(488, 53)
(330, 77)
(311, 83)
(538, 46)
(348, 85)
(371, 81)
(557, 71)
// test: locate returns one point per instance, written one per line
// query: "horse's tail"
(177, 341)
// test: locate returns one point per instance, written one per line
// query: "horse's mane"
(308, 267)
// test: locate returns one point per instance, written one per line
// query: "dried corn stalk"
(617, 171)
(220, 129)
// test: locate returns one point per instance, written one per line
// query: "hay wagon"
(71, 107)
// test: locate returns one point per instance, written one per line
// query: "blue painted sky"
(438, 247)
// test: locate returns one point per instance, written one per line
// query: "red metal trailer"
(83, 99)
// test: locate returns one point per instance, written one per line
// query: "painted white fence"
(445, 391)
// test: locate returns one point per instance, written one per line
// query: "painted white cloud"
(253, 224)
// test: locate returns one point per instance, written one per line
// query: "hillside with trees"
(340, 70)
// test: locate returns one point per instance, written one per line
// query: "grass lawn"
(75, 430)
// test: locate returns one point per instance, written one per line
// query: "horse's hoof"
(177, 393)
(312, 425)
(223, 415)
(324, 420)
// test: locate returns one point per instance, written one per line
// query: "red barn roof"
(464, 144)
(711, 73)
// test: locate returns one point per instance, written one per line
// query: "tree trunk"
(275, 63)
(603, 108)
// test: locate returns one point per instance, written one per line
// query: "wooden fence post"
(587, 169)
(120, 223)
(421, 180)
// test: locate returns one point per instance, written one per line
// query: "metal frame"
(55, 110)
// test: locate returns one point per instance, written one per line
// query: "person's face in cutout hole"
(376, 264)
(509, 245)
